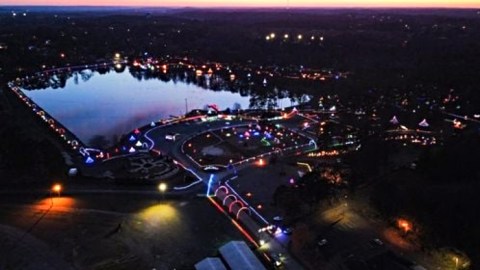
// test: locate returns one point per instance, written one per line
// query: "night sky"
(255, 3)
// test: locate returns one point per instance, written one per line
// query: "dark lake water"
(115, 103)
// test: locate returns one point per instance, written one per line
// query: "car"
(322, 242)
(287, 230)
(171, 136)
(376, 242)
(277, 260)
(277, 218)
(211, 168)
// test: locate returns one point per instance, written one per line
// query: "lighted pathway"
(271, 244)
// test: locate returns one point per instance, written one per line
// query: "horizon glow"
(256, 3)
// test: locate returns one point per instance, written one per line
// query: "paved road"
(173, 149)
(84, 229)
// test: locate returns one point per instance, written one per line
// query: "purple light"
(292, 181)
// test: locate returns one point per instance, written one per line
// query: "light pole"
(162, 187)
(57, 188)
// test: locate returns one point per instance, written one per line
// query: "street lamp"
(162, 187)
(57, 188)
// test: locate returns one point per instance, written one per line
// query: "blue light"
(132, 138)
(256, 133)
(241, 135)
(209, 185)
(89, 160)
(231, 167)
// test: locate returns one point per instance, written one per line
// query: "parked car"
(322, 242)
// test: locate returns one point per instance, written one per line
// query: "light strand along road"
(173, 149)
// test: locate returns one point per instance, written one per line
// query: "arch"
(228, 196)
(233, 203)
(221, 187)
(240, 210)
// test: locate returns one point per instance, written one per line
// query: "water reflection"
(99, 106)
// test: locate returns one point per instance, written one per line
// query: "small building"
(210, 263)
(239, 256)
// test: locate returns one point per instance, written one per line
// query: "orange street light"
(57, 188)
(261, 162)
(404, 225)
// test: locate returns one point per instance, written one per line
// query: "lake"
(114, 103)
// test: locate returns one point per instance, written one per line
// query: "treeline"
(25, 155)
(440, 195)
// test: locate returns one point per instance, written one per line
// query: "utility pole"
(186, 106)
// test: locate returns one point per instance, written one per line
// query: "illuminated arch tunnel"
(230, 201)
